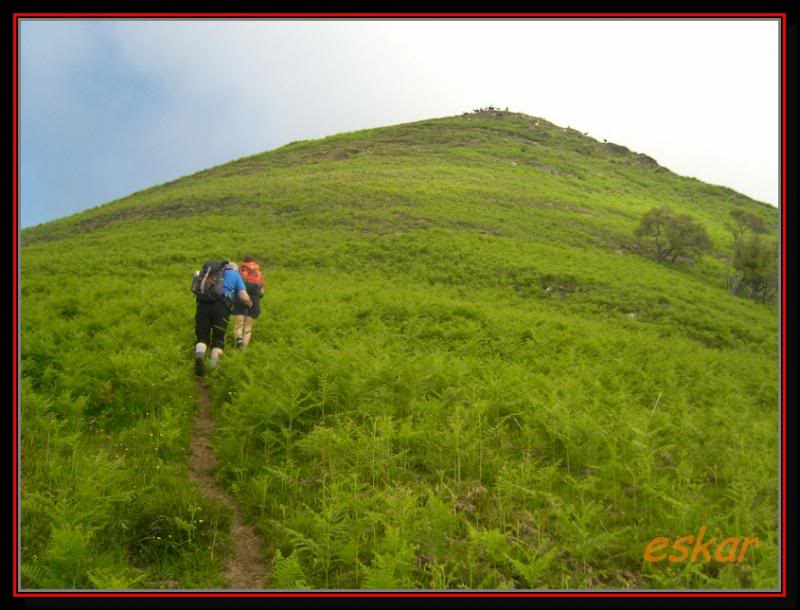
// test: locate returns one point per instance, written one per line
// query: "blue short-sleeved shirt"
(232, 283)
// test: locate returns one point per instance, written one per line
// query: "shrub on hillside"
(745, 222)
(754, 272)
(675, 237)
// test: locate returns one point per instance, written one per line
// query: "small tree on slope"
(674, 236)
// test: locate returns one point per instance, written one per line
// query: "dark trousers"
(210, 322)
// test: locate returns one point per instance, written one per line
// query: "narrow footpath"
(245, 568)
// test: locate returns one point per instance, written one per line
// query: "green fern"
(532, 571)
(393, 563)
(106, 578)
(69, 555)
(381, 578)
(287, 573)
(34, 575)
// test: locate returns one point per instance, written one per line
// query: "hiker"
(216, 287)
(244, 316)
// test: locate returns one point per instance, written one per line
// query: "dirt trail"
(245, 569)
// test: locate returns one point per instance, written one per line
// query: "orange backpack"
(251, 274)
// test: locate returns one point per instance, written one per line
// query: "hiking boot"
(199, 365)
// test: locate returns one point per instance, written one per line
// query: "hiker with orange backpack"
(244, 314)
(216, 287)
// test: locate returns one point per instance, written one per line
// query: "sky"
(110, 107)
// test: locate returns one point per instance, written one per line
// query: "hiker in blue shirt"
(233, 283)
(214, 302)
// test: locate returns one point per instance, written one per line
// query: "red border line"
(783, 303)
(15, 192)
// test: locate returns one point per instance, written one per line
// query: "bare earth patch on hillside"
(245, 568)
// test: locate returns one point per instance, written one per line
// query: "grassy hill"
(468, 372)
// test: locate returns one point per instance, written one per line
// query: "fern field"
(468, 374)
